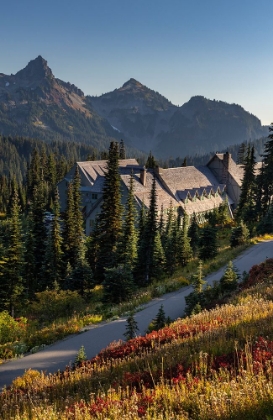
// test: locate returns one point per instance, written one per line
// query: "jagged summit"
(132, 83)
(36, 69)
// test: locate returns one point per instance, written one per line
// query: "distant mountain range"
(34, 103)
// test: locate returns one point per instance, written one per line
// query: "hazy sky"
(220, 49)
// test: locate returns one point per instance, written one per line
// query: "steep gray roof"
(190, 181)
(142, 193)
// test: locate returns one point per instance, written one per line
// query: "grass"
(41, 332)
(214, 365)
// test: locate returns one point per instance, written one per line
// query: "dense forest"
(43, 249)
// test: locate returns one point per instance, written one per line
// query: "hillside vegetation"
(216, 364)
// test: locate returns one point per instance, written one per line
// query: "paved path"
(59, 355)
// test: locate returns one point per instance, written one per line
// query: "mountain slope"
(137, 111)
(36, 104)
(33, 103)
(202, 125)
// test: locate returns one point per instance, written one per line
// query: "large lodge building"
(190, 189)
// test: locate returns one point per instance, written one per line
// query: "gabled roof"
(92, 169)
(190, 180)
(142, 192)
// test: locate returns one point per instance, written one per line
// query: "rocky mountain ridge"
(34, 103)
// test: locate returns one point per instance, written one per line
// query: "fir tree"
(185, 247)
(151, 258)
(122, 154)
(39, 232)
(78, 239)
(13, 287)
(131, 327)
(151, 162)
(245, 209)
(208, 243)
(230, 278)
(129, 238)
(110, 217)
(53, 269)
(239, 235)
(194, 235)
(267, 171)
(198, 279)
(118, 284)
(69, 227)
(29, 271)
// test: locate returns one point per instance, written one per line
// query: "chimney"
(226, 167)
(227, 160)
(143, 174)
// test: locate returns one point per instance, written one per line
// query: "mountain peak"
(132, 83)
(36, 69)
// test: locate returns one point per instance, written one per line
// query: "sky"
(220, 49)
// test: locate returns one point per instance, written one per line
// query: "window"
(94, 196)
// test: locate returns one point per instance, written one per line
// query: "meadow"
(213, 365)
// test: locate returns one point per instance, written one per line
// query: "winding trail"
(59, 355)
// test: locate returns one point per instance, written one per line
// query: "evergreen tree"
(208, 243)
(168, 241)
(239, 235)
(230, 278)
(246, 205)
(69, 227)
(194, 235)
(12, 283)
(80, 278)
(39, 232)
(53, 269)
(151, 259)
(110, 217)
(242, 154)
(29, 271)
(122, 154)
(198, 279)
(185, 247)
(118, 284)
(78, 241)
(131, 327)
(267, 179)
(129, 238)
(159, 321)
(151, 162)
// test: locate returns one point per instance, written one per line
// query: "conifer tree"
(80, 277)
(118, 283)
(129, 238)
(185, 247)
(151, 259)
(160, 319)
(151, 162)
(39, 232)
(267, 178)
(29, 271)
(53, 269)
(169, 242)
(131, 327)
(13, 287)
(194, 235)
(198, 279)
(246, 205)
(78, 217)
(122, 154)
(110, 217)
(208, 243)
(230, 278)
(69, 226)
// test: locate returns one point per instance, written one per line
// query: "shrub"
(239, 235)
(50, 304)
